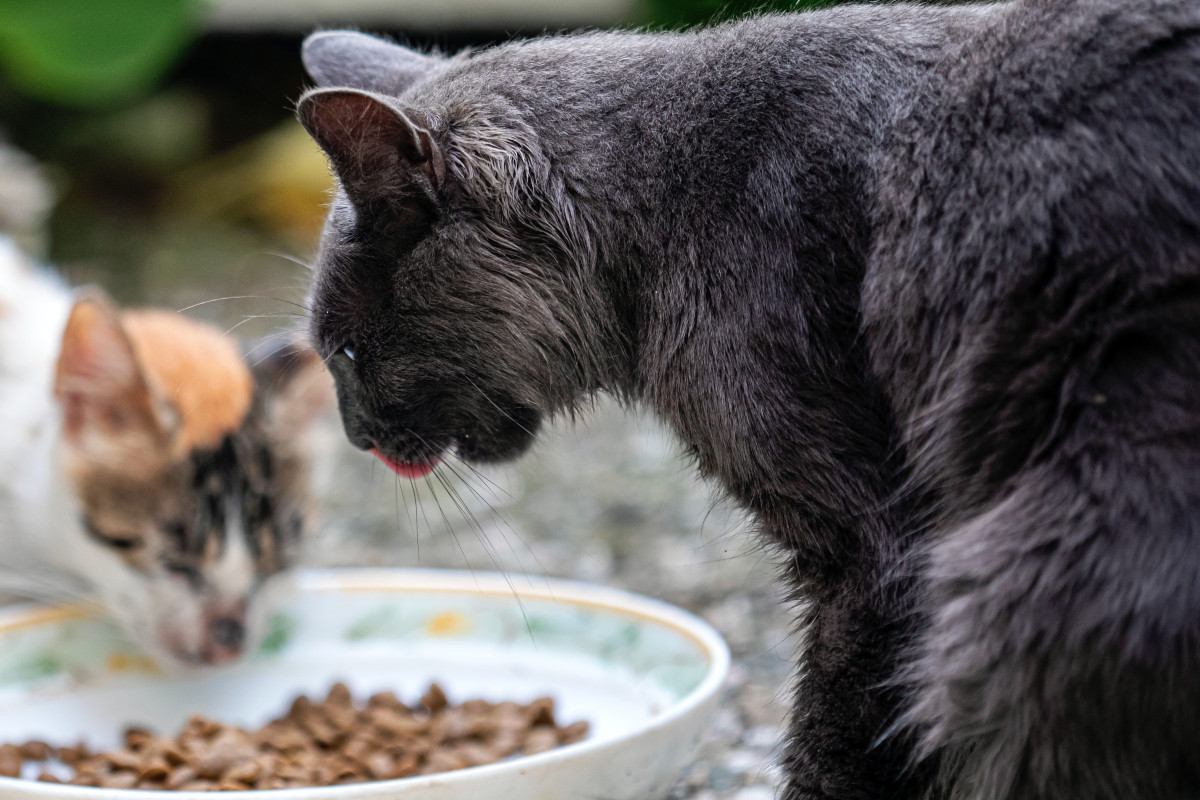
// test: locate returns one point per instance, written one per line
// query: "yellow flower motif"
(447, 624)
(119, 662)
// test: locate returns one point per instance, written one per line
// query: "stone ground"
(607, 500)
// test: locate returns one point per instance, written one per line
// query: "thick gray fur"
(920, 287)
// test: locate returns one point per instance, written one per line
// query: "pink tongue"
(407, 470)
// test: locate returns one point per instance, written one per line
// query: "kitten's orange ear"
(99, 382)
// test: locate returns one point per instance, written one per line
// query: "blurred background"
(148, 146)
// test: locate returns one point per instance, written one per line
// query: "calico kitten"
(918, 285)
(143, 463)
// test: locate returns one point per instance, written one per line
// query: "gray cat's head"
(448, 293)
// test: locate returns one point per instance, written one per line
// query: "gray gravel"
(606, 500)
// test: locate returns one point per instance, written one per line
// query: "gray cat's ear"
(359, 61)
(379, 151)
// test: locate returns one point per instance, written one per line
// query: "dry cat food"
(317, 743)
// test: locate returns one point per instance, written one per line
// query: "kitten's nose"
(224, 636)
(227, 632)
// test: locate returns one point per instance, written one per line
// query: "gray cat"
(920, 287)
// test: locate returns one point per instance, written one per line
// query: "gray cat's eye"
(349, 353)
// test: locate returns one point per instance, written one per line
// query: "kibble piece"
(72, 755)
(181, 777)
(443, 761)
(246, 771)
(474, 754)
(119, 780)
(575, 732)
(339, 695)
(198, 786)
(123, 760)
(10, 761)
(36, 750)
(386, 700)
(434, 699)
(540, 740)
(540, 712)
(154, 769)
(136, 738)
(49, 777)
(389, 722)
(173, 753)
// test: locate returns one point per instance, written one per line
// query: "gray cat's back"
(1046, 176)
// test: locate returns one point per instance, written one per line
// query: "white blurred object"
(416, 14)
(26, 198)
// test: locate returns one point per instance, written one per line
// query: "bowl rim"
(340, 580)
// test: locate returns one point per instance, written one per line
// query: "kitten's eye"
(115, 542)
(349, 351)
(175, 530)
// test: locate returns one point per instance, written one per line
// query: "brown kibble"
(10, 761)
(540, 712)
(36, 750)
(504, 744)
(386, 700)
(299, 708)
(443, 761)
(406, 765)
(155, 769)
(380, 766)
(575, 732)
(475, 754)
(173, 753)
(343, 718)
(339, 695)
(540, 740)
(119, 780)
(137, 738)
(331, 742)
(390, 722)
(72, 755)
(181, 777)
(244, 771)
(434, 699)
(123, 760)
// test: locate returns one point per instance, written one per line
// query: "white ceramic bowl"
(646, 675)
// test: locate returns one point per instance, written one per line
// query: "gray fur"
(357, 61)
(918, 286)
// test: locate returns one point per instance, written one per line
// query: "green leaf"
(279, 632)
(91, 52)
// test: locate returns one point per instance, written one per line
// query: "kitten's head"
(190, 475)
(444, 301)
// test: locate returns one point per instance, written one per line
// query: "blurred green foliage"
(91, 52)
(679, 13)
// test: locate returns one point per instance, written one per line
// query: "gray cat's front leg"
(837, 748)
